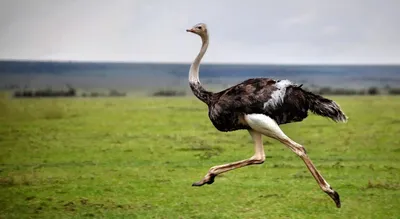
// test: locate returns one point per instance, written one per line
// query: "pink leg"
(257, 158)
(268, 127)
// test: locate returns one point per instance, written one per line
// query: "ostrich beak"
(190, 30)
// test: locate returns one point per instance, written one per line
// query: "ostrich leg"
(257, 158)
(270, 128)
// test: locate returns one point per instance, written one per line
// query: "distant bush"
(115, 93)
(324, 90)
(48, 92)
(169, 93)
(94, 94)
(394, 91)
(336, 91)
(373, 91)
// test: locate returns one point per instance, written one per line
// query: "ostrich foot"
(209, 179)
(335, 197)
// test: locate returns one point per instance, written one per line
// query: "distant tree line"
(322, 91)
(69, 92)
(348, 91)
(48, 92)
(168, 93)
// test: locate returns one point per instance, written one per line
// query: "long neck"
(194, 68)
(194, 80)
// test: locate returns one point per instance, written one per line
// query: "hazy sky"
(250, 31)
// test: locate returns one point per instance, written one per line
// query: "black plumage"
(227, 107)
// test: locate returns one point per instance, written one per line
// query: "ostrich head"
(199, 29)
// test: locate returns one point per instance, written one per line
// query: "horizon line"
(205, 63)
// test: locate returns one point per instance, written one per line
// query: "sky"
(251, 31)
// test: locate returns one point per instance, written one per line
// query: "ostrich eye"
(199, 28)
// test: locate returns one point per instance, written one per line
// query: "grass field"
(137, 158)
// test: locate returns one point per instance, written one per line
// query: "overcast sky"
(244, 31)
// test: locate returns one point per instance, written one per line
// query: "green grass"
(137, 158)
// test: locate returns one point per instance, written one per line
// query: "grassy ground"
(137, 158)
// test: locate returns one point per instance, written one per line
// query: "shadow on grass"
(382, 185)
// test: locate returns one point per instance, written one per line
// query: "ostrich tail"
(325, 107)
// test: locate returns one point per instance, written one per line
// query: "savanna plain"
(137, 158)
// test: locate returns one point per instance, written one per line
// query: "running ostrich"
(260, 105)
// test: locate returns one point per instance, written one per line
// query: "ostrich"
(260, 105)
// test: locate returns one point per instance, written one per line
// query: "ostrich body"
(260, 105)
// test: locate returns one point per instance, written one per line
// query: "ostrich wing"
(248, 97)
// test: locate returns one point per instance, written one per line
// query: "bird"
(260, 106)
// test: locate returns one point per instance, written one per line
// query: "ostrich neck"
(194, 68)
